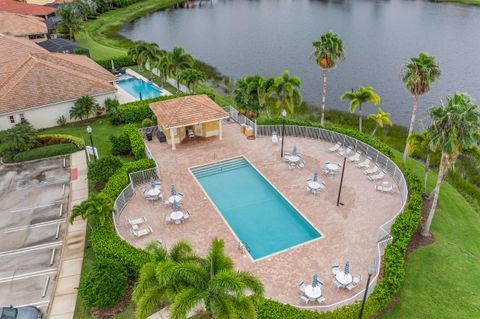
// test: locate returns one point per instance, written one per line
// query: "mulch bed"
(106, 313)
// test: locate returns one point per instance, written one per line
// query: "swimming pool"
(256, 212)
(139, 88)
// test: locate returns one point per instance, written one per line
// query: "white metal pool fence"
(241, 119)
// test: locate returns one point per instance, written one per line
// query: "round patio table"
(332, 167)
(293, 158)
(154, 192)
(175, 198)
(313, 292)
(176, 216)
(343, 278)
(313, 185)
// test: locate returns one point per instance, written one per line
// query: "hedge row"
(118, 62)
(393, 259)
(104, 240)
(45, 151)
(60, 139)
(135, 112)
(136, 141)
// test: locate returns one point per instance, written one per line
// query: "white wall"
(46, 116)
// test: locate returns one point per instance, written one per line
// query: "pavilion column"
(220, 131)
(172, 138)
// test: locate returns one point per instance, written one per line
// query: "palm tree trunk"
(360, 118)
(425, 173)
(436, 191)
(324, 96)
(410, 129)
(375, 130)
(178, 80)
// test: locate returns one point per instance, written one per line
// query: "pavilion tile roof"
(25, 8)
(21, 25)
(187, 110)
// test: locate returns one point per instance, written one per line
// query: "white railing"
(383, 237)
(241, 119)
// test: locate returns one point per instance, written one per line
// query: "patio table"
(154, 192)
(332, 167)
(343, 278)
(176, 216)
(293, 158)
(175, 198)
(313, 185)
(313, 292)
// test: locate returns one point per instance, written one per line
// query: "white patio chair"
(364, 164)
(321, 299)
(335, 147)
(354, 158)
(135, 221)
(186, 215)
(344, 152)
(304, 299)
(356, 279)
(384, 188)
(292, 165)
(370, 171)
(301, 165)
(167, 218)
(335, 269)
(166, 203)
(142, 232)
(301, 286)
(377, 176)
(337, 284)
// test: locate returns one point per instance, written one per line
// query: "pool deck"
(349, 231)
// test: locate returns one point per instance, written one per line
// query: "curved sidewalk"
(66, 290)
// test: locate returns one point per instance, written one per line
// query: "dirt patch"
(99, 186)
(106, 313)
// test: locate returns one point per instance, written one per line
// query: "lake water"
(266, 37)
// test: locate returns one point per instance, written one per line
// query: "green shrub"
(45, 151)
(120, 144)
(111, 105)
(61, 120)
(118, 62)
(105, 284)
(60, 139)
(101, 170)
(147, 122)
(136, 141)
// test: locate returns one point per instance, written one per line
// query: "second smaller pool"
(139, 89)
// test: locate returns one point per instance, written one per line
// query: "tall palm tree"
(327, 53)
(149, 55)
(164, 66)
(180, 60)
(214, 283)
(135, 53)
(418, 76)
(420, 142)
(149, 292)
(264, 91)
(364, 94)
(192, 77)
(70, 20)
(83, 108)
(96, 205)
(456, 127)
(381, 118)
(286, 90)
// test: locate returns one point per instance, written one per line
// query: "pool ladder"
(243, 246)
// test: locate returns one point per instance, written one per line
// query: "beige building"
(23, 26)
(189, 117)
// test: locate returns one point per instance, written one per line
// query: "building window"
(22, 118)
(12, 119)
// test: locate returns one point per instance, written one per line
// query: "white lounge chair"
(355, 282)
(135, 221)
(370, 171)
(376, 177)
(142, 232)
(364, 164)
(304, 299)
(354, 158)
(335, 148)
(384, 188)
(344, 152)
(167, 218)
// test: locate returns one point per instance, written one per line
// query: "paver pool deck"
(349, 231)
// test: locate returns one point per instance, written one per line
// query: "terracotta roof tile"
(21, 25)
(25, 8)
(187, 110)
(13, 48)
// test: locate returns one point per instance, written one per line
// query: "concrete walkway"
(65, 297)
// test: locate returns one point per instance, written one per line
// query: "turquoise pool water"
(139, 88)
(259, 215)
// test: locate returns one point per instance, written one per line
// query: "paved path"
(65, 298)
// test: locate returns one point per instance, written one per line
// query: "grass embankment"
(470, 2)
(101, 34)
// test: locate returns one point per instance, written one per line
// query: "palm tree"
(264, 91)
(286, 90)
(327, 53)
(456, 127)
(70, 20)
(96, 205)
(418, 76)
(247, 92)
(420, 142)
(135, 53)
(180, 61)
(212, 282)
(149, 55)
(381, 118)
(165, 67)
(364, 94)
(83, 108)
(192, 77)
(149, 292)
(84, 8)
(21, 137)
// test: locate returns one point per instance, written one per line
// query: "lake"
(265, 37)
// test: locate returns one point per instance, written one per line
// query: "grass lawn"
(98, 51)
(442, 279)
(473, 2)
(102, 130)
